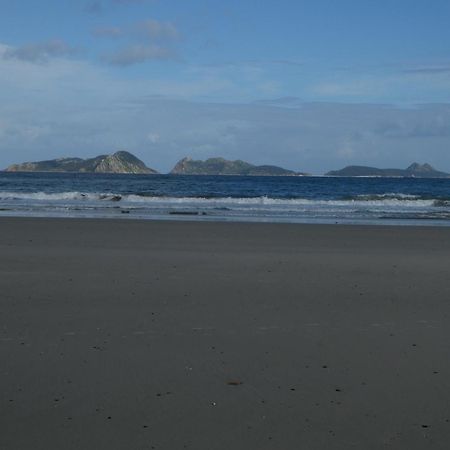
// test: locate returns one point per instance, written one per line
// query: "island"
(119, 162)
(221, 166)
(415, 170)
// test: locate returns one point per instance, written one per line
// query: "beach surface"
(187, 335)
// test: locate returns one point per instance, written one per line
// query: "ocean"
(399, 201)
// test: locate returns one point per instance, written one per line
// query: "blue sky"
(311, 85)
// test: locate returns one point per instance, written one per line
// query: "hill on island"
(221, 166)
(415, 170)
(119, 162)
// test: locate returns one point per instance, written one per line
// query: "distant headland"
(415, 170)
(123, 162)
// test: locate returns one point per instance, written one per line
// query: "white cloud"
(157, 30)
(109, 32)
(99, 6)
(147, 40)
(39, 52)
(149, 30)
(139, 53)
(153, 138)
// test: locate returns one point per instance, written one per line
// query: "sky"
(307, 85)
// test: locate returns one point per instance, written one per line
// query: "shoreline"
(200, 217)
(209, 335)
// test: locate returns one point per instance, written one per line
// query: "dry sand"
(171, 335)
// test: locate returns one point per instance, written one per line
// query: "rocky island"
(221, 166)
(119, 162)
(415, 170)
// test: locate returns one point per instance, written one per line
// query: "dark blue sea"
(407, 201)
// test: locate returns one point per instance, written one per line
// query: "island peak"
(119, 162)
(222, 166)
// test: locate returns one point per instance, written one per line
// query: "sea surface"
(406, 201)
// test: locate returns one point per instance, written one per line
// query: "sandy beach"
(170, 335)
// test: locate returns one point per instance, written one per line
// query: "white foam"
(383, 200)
(44, 196)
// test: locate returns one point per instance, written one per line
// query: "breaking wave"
(388, 196)
(389, 199)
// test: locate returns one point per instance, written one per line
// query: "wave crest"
(364, 200)
(387, 196)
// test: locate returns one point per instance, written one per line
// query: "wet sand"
(171, 335)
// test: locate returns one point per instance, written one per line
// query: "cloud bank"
(72, 107)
